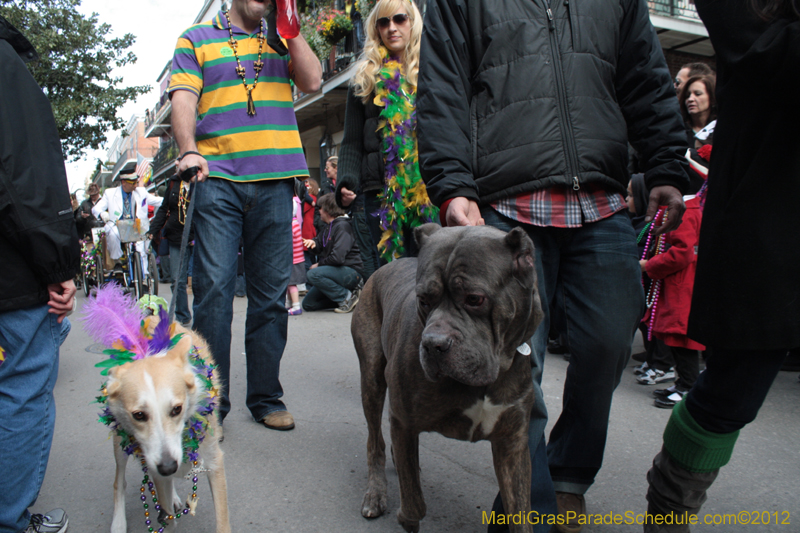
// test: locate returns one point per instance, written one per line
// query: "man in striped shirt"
(233, 119)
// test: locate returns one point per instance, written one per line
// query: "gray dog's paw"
(374, 504)
(412, 526)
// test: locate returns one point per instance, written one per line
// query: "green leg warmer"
(694, 448)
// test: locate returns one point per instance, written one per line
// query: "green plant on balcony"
(317, 43)
(333, 25)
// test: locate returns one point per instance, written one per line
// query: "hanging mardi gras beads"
(655, 286)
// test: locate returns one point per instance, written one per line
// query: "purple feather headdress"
(115, 320)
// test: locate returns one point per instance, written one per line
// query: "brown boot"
(575, 505)
(280, 420)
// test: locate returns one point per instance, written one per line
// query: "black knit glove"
(348, 182)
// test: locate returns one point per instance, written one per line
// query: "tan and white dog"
(152, 399)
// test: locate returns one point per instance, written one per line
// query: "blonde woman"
(378, 169)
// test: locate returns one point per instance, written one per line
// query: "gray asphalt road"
(312, 478)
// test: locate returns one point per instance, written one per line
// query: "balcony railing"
(679, 9)
(165, 156)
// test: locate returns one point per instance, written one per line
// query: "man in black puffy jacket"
(525, 111)
(40, 257)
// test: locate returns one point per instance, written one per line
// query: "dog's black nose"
(168, 468)
(437, 344)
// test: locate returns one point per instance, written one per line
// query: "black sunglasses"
(398, 19)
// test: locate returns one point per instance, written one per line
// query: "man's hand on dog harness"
(668, 196)
(197, 161)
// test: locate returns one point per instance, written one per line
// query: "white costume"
(111, 203)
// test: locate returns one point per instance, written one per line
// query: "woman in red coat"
(675, 267)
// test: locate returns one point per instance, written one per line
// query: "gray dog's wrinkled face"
(478, 299)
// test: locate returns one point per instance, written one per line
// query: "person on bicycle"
(124, 202)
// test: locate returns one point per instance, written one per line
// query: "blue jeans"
(182, 312)
(596, 268)
(31, 338)
(261, 214)
(330, 286)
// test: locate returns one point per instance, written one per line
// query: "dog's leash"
(186, 175)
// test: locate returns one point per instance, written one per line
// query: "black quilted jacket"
(38, 239)
(521, 95)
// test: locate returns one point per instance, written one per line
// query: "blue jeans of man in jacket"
(261, 214)
(30, 338)
(596, 268)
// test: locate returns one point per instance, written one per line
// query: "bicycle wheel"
(85, 282)
(152, 274)
(137, 281)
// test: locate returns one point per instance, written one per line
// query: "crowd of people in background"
(426, 139)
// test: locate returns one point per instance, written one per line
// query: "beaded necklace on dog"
(111, 314)
(257, 64)
(404, 200)
(655, 286)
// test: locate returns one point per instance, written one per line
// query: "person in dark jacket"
(745, 306)
(40, 257)
(337, 276)
(171, 216)
(525, 111)
(84, 219)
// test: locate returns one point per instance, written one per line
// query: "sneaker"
(670, 401)
(294, 311)
(654, 376)
(641, 369)
(55, 521)
(348, 305)
(663, 393)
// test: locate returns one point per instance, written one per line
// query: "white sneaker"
(641, 369)
(653, 376)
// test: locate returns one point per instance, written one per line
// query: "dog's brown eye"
(140, 416)
(474, 300)
(176, 410)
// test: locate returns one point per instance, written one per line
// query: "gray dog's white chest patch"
(485, 414)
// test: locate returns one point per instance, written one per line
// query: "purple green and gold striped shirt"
(239, 147)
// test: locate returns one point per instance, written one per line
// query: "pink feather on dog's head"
(112, 316)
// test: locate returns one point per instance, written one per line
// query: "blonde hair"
(372, 58)
(334, 161)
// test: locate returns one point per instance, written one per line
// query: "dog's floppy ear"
(114, 375)
(421, 233)
(523, 266)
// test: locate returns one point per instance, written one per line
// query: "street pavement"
(312, 479)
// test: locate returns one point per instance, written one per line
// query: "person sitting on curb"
(336, 277)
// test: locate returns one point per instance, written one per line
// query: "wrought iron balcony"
(679, 9)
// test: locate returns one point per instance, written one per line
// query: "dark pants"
(597, 269)
(331, 284)
(363, 235)
(727, 396)
(687, 364)
(372, 205)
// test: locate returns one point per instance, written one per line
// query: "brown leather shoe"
(566, 501)
(280, 420)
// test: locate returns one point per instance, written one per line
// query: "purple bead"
(161, 530)
(186, 511)
(158, 507)
(143, 498)
(147, 522)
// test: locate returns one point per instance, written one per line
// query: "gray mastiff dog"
(447, 332)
